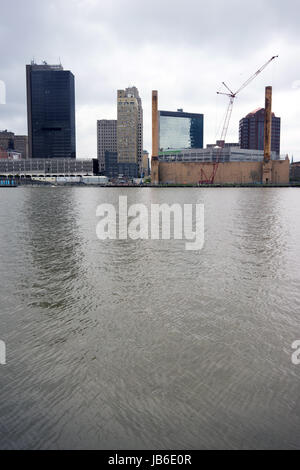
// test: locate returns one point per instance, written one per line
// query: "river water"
(142, 344)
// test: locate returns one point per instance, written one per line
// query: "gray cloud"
(183, 49)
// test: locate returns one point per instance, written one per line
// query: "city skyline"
(186, 65)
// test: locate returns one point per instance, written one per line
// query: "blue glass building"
(50, 111)
(179, 130)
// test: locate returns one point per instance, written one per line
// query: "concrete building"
(130, 128)
(106, 140)
(179, 130)
(48, 167)
(50, 111)
(251, 131)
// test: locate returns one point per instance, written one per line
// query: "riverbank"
(289, 185)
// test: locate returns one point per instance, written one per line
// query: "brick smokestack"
(268, 124)
(154, 160)
(154, 124)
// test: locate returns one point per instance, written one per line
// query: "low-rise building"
(11, 142)
(114, 169)
(97, 180)
(295, 171)
(3, 154)
(214, 154)
(221, 143)
(48, 167)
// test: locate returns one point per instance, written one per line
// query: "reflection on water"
(141, 344)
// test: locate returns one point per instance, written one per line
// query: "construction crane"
(232, 97)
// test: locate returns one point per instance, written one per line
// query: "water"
(141, 344)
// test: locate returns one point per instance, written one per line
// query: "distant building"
(21, 145)
(6, 140)
(48, 167)
(114, 169)
(50, 111)
(295, 171)
(223, 144)
(3, 154)
(130, 130)
(13, 155)
(128, 170)
(145, 164)
(106, 140)
(179, 130)
(251, 131)
(18, 143)
(111, 164)
(212, 154)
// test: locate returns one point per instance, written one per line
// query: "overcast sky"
(184, 49)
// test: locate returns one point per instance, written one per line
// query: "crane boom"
(255, 75)
(232, 97)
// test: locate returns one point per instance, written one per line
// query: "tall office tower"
(106, 140)
(50, 111)
(252, 131)
(130, 131)
(179, 130)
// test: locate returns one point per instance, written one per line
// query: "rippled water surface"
(141, 344)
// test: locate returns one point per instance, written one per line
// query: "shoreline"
(160, 186)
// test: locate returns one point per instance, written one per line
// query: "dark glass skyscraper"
(50, 111)
(252, 131)
(179, 130)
